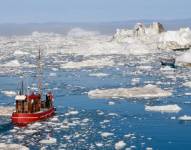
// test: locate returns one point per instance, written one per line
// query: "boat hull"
(27, 118)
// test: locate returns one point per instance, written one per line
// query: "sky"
(41, 11)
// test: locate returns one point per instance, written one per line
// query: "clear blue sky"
(24, 11)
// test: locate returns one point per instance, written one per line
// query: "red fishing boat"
(31, 107)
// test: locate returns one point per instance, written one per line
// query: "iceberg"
(164, 109)
(181, 37)
(91, 63)
(148, 91)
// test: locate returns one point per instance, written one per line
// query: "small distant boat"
(168, 62)
(31, 107)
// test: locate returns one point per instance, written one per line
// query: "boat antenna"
(39, 72)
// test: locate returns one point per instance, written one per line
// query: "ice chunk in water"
(111, 103)
(6, 111)
(165, 108)
(99, 74)
(92, 63)
(4, 146)
(106, 134)
(49, 140)
(187, 84)
(9, 93)
(120, 145)
(184, 118)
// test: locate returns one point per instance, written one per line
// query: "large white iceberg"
(181, 37)
(148, 91)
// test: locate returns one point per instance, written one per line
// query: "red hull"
(27, 118)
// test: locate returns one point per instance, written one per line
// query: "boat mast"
(39, 72)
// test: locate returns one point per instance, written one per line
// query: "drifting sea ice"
(9, 93)
(111, 103)
(49, 140)
(72, 112)
(30, 131)
(12, 63)
(4, 146)
(6, 111)
(184, 118)
(20, 53)
(165, 108)
(99, 144)
(120, 145)
(148, 91)
(106, 134)
(92, 63)
(187, 84)
(98, 74)
(184, 59)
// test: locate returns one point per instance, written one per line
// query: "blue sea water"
(127, 120)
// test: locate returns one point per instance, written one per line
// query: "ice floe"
(20, 53)
(165, 108)
(148, 91)
(49, 140)
(12, 63)
(120, 145)
(111, 103)
(184, 118)
(72, 112)
(99, 144)
(187, 84)
(4, 146)
(106, 134)
(6, 110)
(99, 74)
(9, 93)
(90, 63)
(30, 131)
(184, 59)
